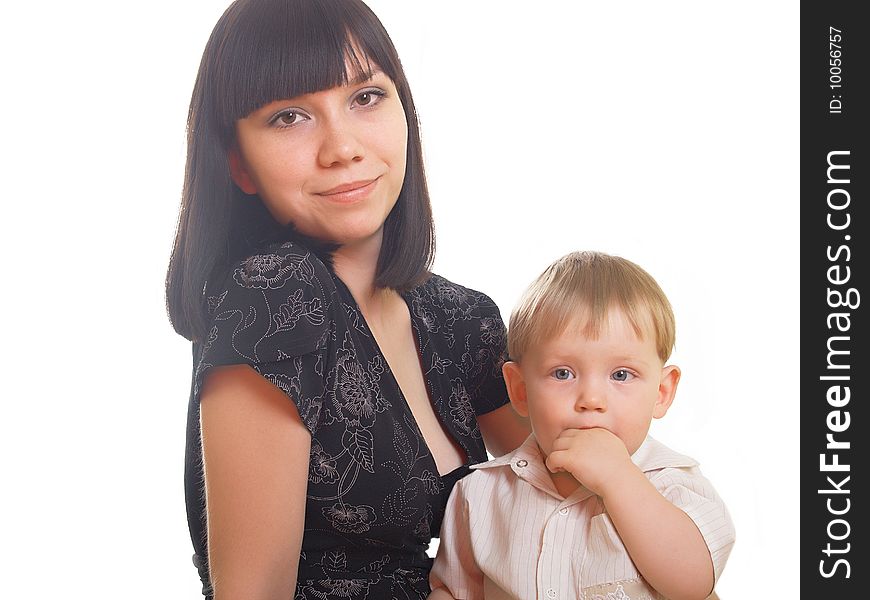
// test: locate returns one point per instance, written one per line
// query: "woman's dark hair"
(261, 51)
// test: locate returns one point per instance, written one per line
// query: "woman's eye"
(622, 375)
(563, 374)
(369, 97)
(288, 118)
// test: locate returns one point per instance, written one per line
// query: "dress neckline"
(419, 346)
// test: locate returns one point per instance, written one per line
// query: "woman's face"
(331, 162)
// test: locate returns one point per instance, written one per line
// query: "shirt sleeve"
(687, 489)
(487, 352)
(455, 567)
(272, 312)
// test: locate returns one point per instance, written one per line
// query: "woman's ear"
(239, 173)
(516, 387)
(667, 390)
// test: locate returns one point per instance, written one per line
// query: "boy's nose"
(591, 398)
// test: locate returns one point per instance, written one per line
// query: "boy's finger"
(554, 462)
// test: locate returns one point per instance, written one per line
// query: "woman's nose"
(339, 145)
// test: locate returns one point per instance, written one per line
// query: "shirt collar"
(653, 455)
(528, 450)
(527, 463)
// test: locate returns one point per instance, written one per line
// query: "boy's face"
(616, 382)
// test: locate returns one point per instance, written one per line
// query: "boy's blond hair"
(588, 285)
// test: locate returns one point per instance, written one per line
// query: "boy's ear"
(516, 387)
(667, 390)
(239, 173)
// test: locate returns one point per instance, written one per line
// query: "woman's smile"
(347, 193)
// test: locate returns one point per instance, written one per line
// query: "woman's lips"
(349, 192)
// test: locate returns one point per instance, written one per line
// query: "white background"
(663, 132)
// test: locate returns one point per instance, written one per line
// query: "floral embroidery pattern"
(214, 302)
(332, 588)
(619, 594)
(619, 590)
(272, 271)
(461, 409)
(424, 526)
(353, 389)
(321, 466)
(294, 309)
(350, 519)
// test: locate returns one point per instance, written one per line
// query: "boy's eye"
(563, 374)
(622, 375)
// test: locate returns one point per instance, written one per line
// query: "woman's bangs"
(283, 50)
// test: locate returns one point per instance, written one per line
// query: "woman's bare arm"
(503, 430)
(256, 454)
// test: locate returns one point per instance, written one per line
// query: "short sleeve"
(272, 311)
(687, 489)
(455, 566)
(487, 352)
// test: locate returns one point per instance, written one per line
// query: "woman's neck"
(356, 265)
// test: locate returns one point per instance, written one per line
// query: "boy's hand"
(595, 457)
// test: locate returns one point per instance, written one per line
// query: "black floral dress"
(375, 497)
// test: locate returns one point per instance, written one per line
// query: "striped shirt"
(508, 534)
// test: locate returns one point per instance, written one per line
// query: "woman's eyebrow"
(363, 77)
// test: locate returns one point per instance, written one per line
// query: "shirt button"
(551, 593)
(522, 462)
(563, 511)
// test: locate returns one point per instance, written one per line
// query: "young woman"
(340, 389)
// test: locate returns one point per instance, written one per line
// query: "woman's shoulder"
(445, 294)
(274, 275)
(461, 313)
(274, 267)
(274, 303)
(465, 326)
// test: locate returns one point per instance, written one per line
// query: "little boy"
(589, 507)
